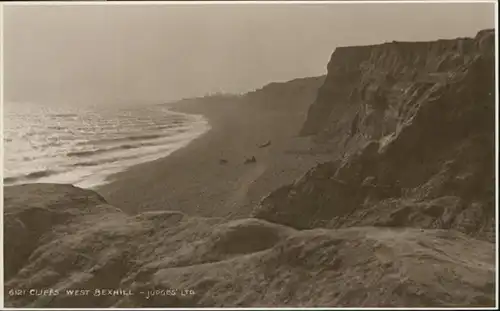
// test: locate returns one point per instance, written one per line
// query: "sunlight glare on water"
(83, 146)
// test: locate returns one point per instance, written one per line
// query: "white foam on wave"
(100, 178)
(102, 165)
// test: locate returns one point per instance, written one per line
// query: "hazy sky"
(153, 53)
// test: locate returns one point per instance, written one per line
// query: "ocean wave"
(64, 115)
(106, 141)
(86, 153)
(57, 128)
(10, 180)
(165, 126)
(86, 147)
(103, 161)
(30, 176)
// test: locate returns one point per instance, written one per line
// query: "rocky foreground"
(402, 215)
(59, 237)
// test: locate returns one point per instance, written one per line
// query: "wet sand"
(209, 177)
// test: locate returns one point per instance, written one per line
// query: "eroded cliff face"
(294, 94)
(376, 82)
(413, 128)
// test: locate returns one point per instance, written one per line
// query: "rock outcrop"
(66, 247)
(413, 126)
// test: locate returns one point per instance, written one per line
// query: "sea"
(83, 146)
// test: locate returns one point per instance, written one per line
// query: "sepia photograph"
(245, 154)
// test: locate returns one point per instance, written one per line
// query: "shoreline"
(194, 180)
(91, 162)
(110, 178)
(114, 181)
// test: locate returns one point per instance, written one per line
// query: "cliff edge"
(412, 126)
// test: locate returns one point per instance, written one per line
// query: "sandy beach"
(193, 179)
